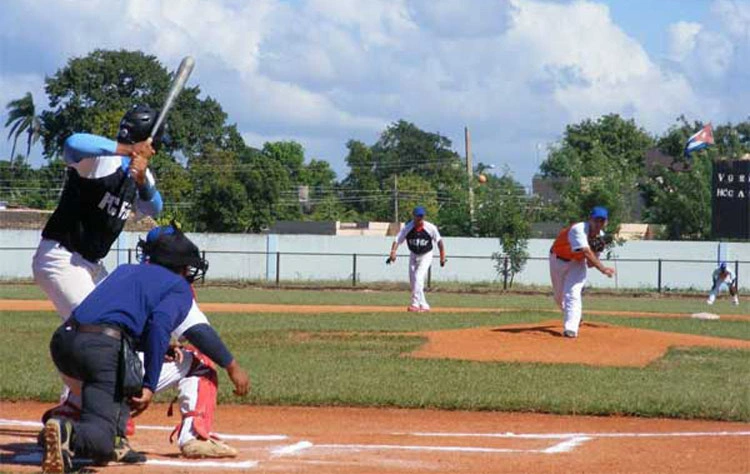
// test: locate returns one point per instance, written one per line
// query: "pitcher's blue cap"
(600, 212)
(419, 211)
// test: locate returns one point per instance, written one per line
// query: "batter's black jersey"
(92, 213)
(419, 239)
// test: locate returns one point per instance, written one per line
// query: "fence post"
(354, 269)
(203, 256)
(429, 278)
(658, 280)
(737, 275)
(130, 255)
(505, 273)
(278, 268)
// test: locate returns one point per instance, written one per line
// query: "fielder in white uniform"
(419, 236)
(722, 277)
(101, 191)
(569, 258)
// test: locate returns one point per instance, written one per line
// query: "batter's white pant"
(419, 265)
(67, 278)
(568, 279)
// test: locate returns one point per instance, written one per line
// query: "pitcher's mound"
(597, 344)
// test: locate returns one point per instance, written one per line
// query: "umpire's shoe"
(58, 457)
(125, 454)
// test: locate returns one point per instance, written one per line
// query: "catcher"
(721, 277)
(576, 248)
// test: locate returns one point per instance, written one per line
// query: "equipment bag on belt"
(131, 370)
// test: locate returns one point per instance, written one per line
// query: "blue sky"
(324, 71)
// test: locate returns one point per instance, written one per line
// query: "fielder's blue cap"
(419, 211)
(723, 265)
(599, 212)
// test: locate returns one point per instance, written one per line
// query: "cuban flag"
(700, 140)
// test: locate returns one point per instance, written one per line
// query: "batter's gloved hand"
(138, 166)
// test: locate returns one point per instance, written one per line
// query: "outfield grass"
(641, 302)
(338, 359)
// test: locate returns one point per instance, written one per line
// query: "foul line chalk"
(291, 449)
(204, 464)
(581, 435)
(456, 449)
(566, 446)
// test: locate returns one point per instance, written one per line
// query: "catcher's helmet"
(136, 126)
(169, 247)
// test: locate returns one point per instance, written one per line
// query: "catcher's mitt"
(598, 244)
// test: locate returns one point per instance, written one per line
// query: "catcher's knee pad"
(198, 396)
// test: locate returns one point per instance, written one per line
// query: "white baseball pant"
(568, 279)
(419, 265)
(67, 278)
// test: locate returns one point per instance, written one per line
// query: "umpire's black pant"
(92, 358)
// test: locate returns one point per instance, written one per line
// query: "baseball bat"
(183, 72)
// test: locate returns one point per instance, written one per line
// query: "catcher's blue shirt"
(147, 301)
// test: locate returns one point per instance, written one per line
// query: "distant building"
(335, 228)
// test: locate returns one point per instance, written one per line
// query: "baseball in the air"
(482, 178)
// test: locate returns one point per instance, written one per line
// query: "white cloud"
(683, 38)
(324, 71)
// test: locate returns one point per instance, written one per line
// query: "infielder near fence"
(722, 277)
(576, 248)
(419, 236)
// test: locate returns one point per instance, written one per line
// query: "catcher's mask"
(136, 126)
(169, 247)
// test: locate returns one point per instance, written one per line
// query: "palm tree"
(22, 114)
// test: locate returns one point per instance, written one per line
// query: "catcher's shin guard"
(203, 379)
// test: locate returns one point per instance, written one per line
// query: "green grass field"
(358, 359)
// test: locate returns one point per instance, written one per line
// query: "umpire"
(137, 306)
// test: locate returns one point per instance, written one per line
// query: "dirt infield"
(44, 305)
(354, 440)
(598, 344)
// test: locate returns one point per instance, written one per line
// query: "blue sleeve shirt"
(148, 301)
(91, 156)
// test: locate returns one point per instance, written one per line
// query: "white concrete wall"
(227, 262)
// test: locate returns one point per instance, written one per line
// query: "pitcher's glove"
(598, 244)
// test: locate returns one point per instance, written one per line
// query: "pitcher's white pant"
(419, 265)
(67, 278)
(568, 279)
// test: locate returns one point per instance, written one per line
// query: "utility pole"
(470, 173)
(395, 198)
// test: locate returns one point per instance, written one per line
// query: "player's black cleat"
(125, 454)
(58, 457)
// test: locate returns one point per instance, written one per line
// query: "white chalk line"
(567, 445)
(291, 449)
(406, 447)
(204, 464)
(705, 434)
(234, 437)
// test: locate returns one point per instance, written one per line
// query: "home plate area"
(349, 440)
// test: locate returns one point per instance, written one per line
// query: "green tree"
(221, 203)
(502, 211)
(602, 161)
(361, 187)
(22, 118)
(679, 196)
(89, 92)
(266, 181)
